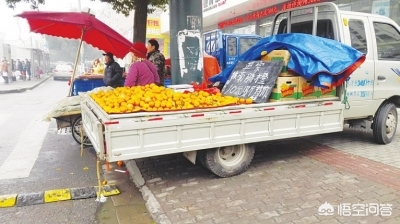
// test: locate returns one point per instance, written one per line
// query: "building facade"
(255, 16)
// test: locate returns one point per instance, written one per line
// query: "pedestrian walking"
(28, 68)
(18, 70)
(4, 70)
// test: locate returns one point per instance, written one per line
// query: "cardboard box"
(285, 89)
(279, 55)
(327, 92)
(306, 90)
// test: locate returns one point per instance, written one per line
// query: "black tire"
(76, 134)
(201, 158)
(228, 161)
(385, 124)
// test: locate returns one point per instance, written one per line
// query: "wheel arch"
(394, 99)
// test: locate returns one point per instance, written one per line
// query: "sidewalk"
(333, 178)
(22, 86)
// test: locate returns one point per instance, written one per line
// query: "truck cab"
(227, 47)
(376, 83)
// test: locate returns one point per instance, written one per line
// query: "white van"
(373, 90)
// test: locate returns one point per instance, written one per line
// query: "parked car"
(63, 71)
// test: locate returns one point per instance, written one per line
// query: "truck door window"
(387, 41)
(357, 35)
(232, 46)
(246, 43)
(324, 28)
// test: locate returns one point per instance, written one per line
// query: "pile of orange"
(157, 98)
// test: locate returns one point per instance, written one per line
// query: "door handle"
(381, 78)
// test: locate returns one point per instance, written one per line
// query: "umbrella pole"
(76, 63)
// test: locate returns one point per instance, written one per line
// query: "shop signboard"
(265, 12)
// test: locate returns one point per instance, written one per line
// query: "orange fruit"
(249, 101)
(242, 101)
(120, 163)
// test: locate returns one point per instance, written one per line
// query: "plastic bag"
(64, 106)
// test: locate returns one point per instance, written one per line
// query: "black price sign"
(253, 79)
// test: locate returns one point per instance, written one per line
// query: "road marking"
(22, 158)
(8, 200)
(3, 118)
(56, 195)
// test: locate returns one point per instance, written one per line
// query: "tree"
(141, 7)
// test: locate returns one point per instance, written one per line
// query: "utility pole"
(186, 30)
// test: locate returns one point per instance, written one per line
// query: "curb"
(20, 200)
(25, 89)
(152, 205)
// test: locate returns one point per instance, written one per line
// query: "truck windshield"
(246, 43)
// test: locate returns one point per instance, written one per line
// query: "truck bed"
(136, 135)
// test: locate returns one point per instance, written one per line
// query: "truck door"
(386, 38)
(360, 87)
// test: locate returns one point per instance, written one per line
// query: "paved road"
(287, 182)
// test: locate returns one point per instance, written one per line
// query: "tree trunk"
(140, 21)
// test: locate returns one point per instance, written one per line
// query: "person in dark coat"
(112, 72)
(157, 58)
(28, 68)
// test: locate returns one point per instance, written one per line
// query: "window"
(357, 35)
(387, 41)
(324, 28)
(232, 46)
(246, 43)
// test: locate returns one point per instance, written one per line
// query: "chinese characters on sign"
(153, 26)
(358, 209)
(266, 12)
(253, 79)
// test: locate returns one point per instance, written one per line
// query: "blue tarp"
(315, 58)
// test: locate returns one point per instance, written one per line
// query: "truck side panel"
(179, 133)
(94, 130)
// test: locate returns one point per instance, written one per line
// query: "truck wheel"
(201, 157)
(385, 123)
(76, 133)
(228, 161)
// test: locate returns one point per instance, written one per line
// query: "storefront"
(259, 21)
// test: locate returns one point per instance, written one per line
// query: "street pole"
(186, 29)
(79, 5)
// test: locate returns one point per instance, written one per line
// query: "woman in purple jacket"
(141, 71)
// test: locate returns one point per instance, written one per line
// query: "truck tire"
(201, 157)
(76, 134)
(228, 161)
(385, 124)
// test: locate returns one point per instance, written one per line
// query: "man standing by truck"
(156, 57)
(112, 72)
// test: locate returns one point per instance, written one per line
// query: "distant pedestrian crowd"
(18, 69)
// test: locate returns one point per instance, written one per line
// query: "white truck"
(222, 139)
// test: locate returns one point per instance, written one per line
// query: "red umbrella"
(78, 25)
